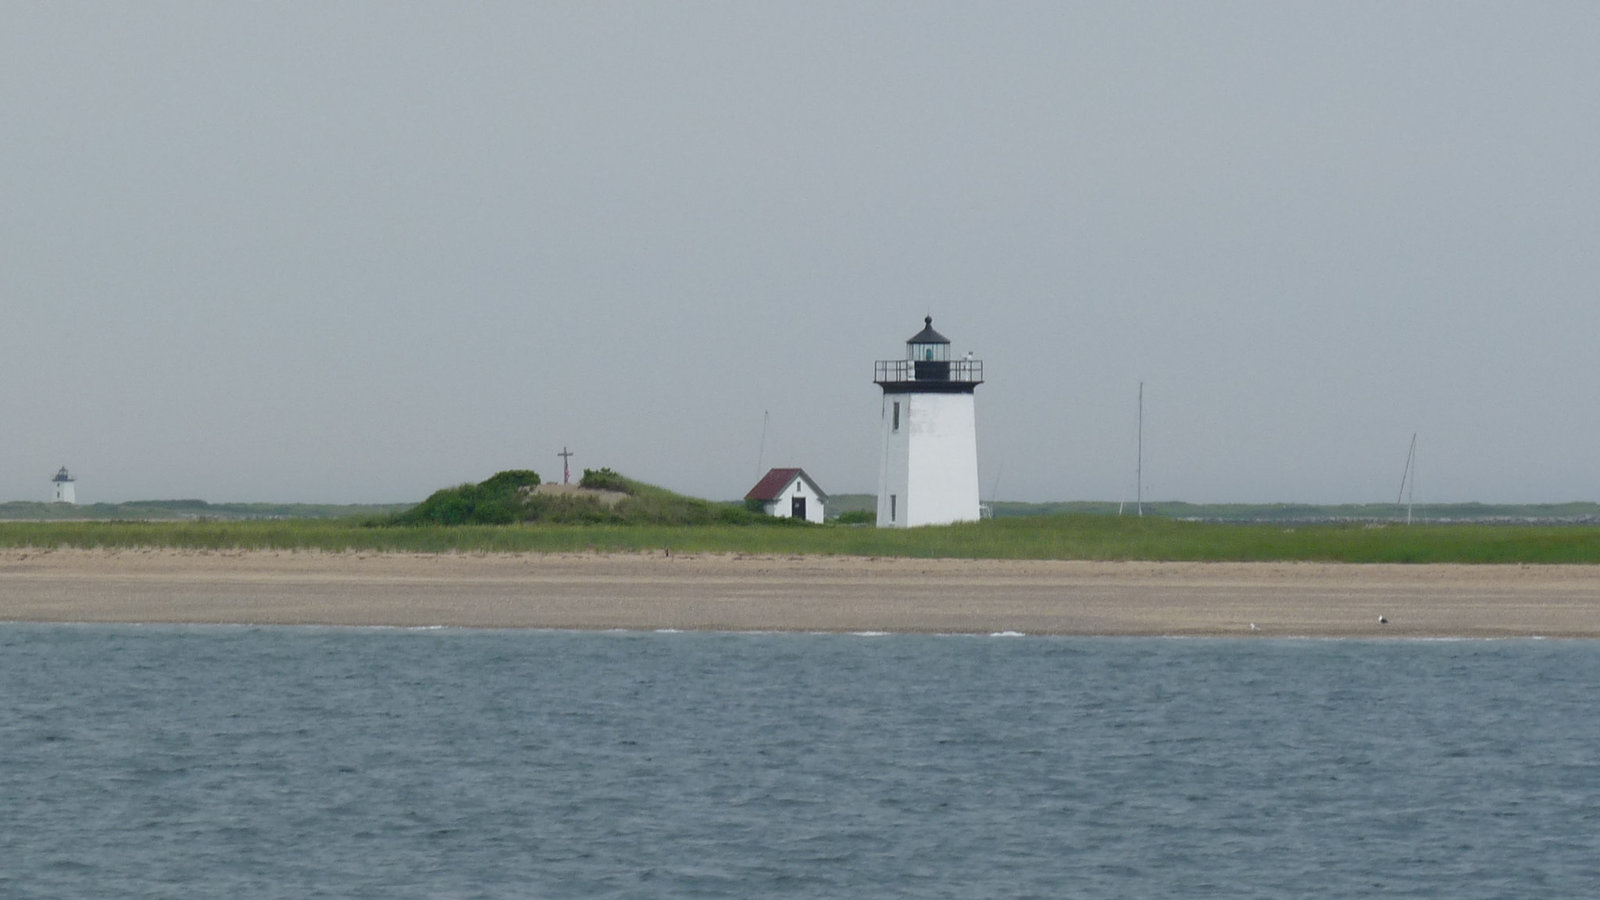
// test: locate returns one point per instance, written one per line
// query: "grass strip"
(1083, 537)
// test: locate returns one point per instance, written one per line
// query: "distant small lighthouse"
(929, 473)
(65, 493)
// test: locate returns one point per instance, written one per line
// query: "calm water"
(307, 762)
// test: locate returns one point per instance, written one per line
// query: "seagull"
(1253, 627)
(1382, 620)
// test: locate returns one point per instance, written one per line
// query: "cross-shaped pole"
(566, 474)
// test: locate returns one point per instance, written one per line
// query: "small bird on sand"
(1382, 620)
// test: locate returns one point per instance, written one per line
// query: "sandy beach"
(798, 593)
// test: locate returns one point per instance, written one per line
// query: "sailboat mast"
(761, 454)
(1138, 472)
(1411, 491)
(1408, 478)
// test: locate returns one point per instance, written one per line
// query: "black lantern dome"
(928, 344)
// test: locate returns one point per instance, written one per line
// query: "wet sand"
(798, 594)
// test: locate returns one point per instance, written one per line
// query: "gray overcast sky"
(357, 251)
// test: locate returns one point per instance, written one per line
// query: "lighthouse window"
(892, 499)
(896, 416)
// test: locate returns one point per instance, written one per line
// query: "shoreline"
(708, 592)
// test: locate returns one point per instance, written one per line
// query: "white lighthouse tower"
(929, 474)
(65, 493)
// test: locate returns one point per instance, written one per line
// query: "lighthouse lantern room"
(929, 471)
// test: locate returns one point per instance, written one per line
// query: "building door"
(797, 507)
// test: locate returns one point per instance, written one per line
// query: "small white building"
(65, 491)
(789, 494)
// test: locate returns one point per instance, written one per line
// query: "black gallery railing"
(897, 370)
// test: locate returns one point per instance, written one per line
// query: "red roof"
(771, 485)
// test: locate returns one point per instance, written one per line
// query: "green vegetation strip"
(509, 513)
(1046, 537)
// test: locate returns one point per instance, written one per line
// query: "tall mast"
(1411, 491)
(1408, 478)
(1138, 471)
(761, 452)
